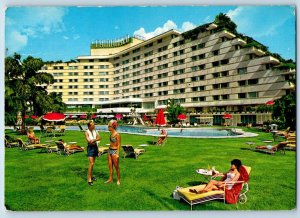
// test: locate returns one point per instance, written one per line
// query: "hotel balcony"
(227, 34)
(212, 26)
(238, 41)
(288, 72)
(253, 50)
(270, 60)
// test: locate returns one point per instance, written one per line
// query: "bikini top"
(113, 139)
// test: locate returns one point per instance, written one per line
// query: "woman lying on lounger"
(32, 138)
(231, 176)
(72, 147)
(272, 147)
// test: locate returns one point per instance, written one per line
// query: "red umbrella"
(160, 118)
(94, 116)
(181, 117)
(145, 117)
(54, 117)
(227, 116)
(271, 102)
(34, 117)
(26, 116)
(83, 116)
(119, 116)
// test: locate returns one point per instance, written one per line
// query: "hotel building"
(208, 70)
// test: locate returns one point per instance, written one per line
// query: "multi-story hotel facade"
(209, 72)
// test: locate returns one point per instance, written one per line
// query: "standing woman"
(92, 137)
(114, 151)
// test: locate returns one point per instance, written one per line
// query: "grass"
(36, 181)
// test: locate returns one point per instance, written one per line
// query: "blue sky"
(63, 33)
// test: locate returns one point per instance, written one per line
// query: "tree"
(25, 88)
(223, 21)
(173, 109)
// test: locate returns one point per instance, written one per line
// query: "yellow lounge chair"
(193, 198)
(129, 151)
(102, 150)
(10, 144)
(27, 146)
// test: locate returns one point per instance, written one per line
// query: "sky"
(64, 33)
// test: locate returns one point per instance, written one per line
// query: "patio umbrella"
(83, 116)
(94, 116)
(181, 117)
(227, 116)
(34, 117)
(26, 116)
(54, 117)
(271, 102)
(160, 118)
(119, 116)
(145, 117)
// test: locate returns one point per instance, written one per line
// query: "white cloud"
(66, 37)
(166, 27)
(116, 27)
(27, 22)
(76, 37)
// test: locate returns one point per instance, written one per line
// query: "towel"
(232, 195)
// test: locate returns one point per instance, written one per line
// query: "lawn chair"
(130, 151)
(102, 150)
(49, 131)
(10, 144)
(63, 149)
(25, 146)
(270, 149)
(232, 196)
(291, 142)
(61, 131)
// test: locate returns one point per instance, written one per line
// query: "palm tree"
(222, 20)
(25, 87)
(173, 109)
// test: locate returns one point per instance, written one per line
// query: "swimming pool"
(176, 132)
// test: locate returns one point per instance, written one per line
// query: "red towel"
(232, 195)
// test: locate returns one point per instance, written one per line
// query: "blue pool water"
(172, 132)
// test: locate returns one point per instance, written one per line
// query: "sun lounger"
(102, 150)
(130, 151)
(10, 144)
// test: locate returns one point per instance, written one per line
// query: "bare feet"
(118, 183)
(108, 181)
(193, 190)
(202, 191)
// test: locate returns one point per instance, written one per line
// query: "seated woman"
(231, 176)
(32, 138)
(163, 136)
(71, 147)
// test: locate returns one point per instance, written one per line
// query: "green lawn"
(36, 181)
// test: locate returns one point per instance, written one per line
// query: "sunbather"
(231, 176)
(32, 138)
(271, 147)
(72, 147)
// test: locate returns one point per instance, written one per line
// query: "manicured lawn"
(43, 182)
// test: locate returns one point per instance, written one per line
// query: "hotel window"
(224, 73)
(252, 94)
(88, 73)
(177, 53)
(88, 67)
(125, 83)
(242, 70)
(199, 46)
(103, 60)
(215, 63)
(162, 102)
(163, 66)
(178, 72)
(125, 69)
(224, 39)
(115, 79)
(136, 96)
(57, 87)
(198, 99)
(225, 97)
(173, 36)
(149, 70)
(125, 90)
(216, 97)
(101, 80)
(237, 47)
(116, 64)
(125, 62)
(178, 91)
(149, 86)
(198, 78)
(73, 67)
(73, 93)
(88, 80)
(136, 50)
(199, 67)
(148, 78)
(215, 52)
(162, 93)
(135, 66)
(88, 93)
(162, 84)
(163, 75)
(136, 81)
(175, 63)
(91, 60)
(103, 86)
(116, 58)
(73, 73)
(178, 81)
(103, 92)
(88, 86)
(88, 99)
(136, 73)
(225, 61)
(116, 92)
(164, 48)
(136, 58)
(58, 74)
(159, 41)
(148, 94)
(72, 99)
(104, 66)
(148, 62)
(116, 85)
(147, 54)
(198, 88)
(73, 87)
(243, 83)
(252, 81)
(242, 95)
(58, 80)
(73, 80)
(103, 73)
(179, 100)
(136, 88)
(224, 85)
(103, 99)
(164, 57)
(149, 45)
(126, 54)
(198, 57)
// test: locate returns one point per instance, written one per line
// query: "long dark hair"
(237, 163)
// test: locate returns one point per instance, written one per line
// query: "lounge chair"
(270, 149)
(27, 146)
(61, 131)
(102, 150)
(49, 131)
(291, 142)
(234, 195)
(284, 132)
(10, 144)
(130, 151)
(62, 149)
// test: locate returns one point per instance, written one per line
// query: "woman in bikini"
(32, 138)
(114, 151)
(231, 176)
(92, 137)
